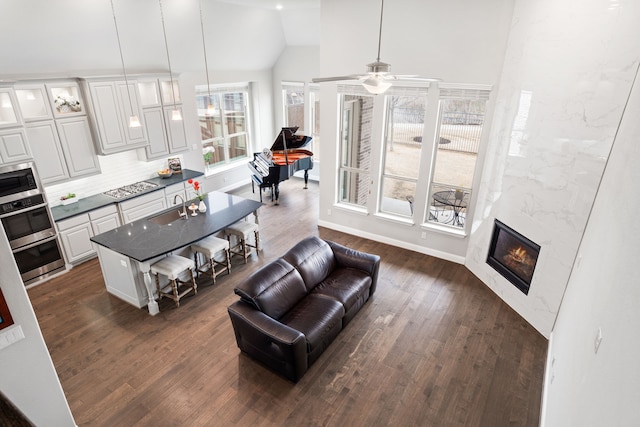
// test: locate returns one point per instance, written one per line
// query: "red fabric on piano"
(280, 160)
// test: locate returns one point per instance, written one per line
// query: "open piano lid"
(291, 138)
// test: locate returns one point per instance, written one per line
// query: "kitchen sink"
(166, 218)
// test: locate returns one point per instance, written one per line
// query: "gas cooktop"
(130, 190)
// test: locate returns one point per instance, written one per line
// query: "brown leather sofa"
(292, 308)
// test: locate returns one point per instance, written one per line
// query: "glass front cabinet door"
(33, 102)
(149, 94)
(9, 113)
(66, 100)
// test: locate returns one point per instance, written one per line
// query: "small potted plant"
(68, 198)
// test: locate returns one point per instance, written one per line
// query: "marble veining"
(567, 73)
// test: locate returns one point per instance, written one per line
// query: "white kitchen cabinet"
(13, 146)
(172, 191)
(65, 99)
(165, 136)
(167, 92)
(9, 113)
(110, 108)
(76, 142)
(130, 105)
(33, 102)
(142, 206)
(47, 151)
(156, 133)
(149, 93)
(175, 129)
(75, 233)
(104, 219)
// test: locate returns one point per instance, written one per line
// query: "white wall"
(74, 37)
(295, 64)
(27, 375)
(585, 387)
(567, 71)
(460, 42)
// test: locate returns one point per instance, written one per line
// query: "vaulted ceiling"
(74, 37)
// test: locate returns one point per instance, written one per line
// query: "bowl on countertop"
(165, 173)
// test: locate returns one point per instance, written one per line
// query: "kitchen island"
(126, 253)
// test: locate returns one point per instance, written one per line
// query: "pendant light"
(211, 110)
(134, 121)
(175, 113)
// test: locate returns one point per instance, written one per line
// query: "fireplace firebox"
(513, 256)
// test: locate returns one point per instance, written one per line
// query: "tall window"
(405, 116)
(225, 131)
(293, 102)
(355, 149)
(422, 151)
(301, 113)
(460, 122)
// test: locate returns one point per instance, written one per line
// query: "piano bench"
(261, 186)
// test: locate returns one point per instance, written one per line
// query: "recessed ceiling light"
(279, 6)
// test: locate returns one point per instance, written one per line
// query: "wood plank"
(434, 346)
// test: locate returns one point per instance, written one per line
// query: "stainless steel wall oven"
(27, 222)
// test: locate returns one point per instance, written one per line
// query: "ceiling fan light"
(376, 85)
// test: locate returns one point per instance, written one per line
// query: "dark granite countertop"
(143, 240)
(97, 201)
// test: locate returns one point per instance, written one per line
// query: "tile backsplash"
(117, 170)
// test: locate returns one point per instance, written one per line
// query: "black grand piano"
(285, 158)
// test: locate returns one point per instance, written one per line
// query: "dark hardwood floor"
(434, 347)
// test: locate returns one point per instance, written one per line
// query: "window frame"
(428, 156)
(416, 92)
(226, 137)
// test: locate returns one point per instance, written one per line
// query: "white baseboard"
(393, 242)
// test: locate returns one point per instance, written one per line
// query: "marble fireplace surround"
(568, 70)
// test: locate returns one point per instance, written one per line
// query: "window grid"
(224, 132)
(460, 124)
(404, 125)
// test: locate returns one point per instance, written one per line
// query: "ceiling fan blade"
(335, 79)
(416, 78)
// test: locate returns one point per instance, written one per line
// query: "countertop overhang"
(143, 240)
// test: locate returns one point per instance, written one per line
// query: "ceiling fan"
(377, 79)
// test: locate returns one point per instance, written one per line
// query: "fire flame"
(518, 254)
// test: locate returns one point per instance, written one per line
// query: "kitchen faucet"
(183, 214)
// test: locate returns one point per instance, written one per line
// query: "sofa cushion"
(319, 318)
(274, 289)
(346, 285)
(313, 258)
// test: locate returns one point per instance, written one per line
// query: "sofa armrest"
(275, 344)
(351, 258)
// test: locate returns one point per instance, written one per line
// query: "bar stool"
(242, 230)
(209, 247)
(171, 267)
